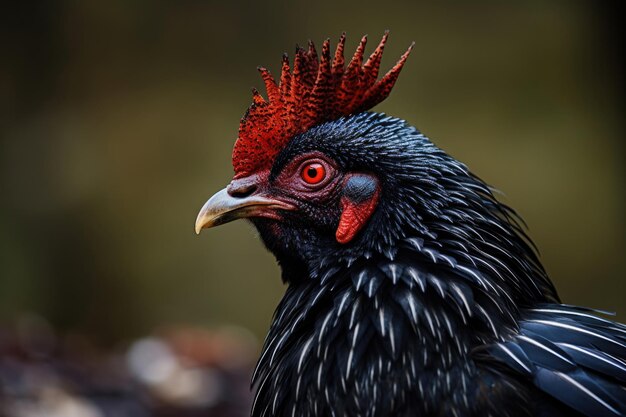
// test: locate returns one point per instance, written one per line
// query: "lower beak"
(223, 208)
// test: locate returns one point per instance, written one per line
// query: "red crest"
(314, 92)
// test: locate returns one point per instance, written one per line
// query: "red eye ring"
(313, 173)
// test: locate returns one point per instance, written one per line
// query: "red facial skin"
(313, 177)
(293, 179)
(356, 209)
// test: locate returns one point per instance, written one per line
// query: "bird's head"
(312, 167)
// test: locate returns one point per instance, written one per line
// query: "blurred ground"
(117, 119)
(175, 372)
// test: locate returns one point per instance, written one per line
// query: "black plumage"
(439, 307)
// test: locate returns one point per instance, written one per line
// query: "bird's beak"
(223, 208)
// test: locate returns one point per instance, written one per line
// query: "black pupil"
(312, 172)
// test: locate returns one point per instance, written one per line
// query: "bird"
(411, 290)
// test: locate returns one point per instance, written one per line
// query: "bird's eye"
(313, 173)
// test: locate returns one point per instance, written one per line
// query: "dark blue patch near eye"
(359, 188)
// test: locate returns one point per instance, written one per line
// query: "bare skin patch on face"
(358, 202)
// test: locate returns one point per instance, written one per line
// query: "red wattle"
(353, 217)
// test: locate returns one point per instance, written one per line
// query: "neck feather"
(408, 321)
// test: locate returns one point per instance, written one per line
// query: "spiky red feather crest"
(316, 91)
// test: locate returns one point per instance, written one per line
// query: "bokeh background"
(117, 120)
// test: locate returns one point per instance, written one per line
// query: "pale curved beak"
(223, 208)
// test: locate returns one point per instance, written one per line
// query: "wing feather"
(570, 354)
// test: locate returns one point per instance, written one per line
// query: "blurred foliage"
(117, 119)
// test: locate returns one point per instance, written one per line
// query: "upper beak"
(223, 208)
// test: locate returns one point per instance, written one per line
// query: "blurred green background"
(117, 120)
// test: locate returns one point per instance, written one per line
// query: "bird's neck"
(407, 324)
